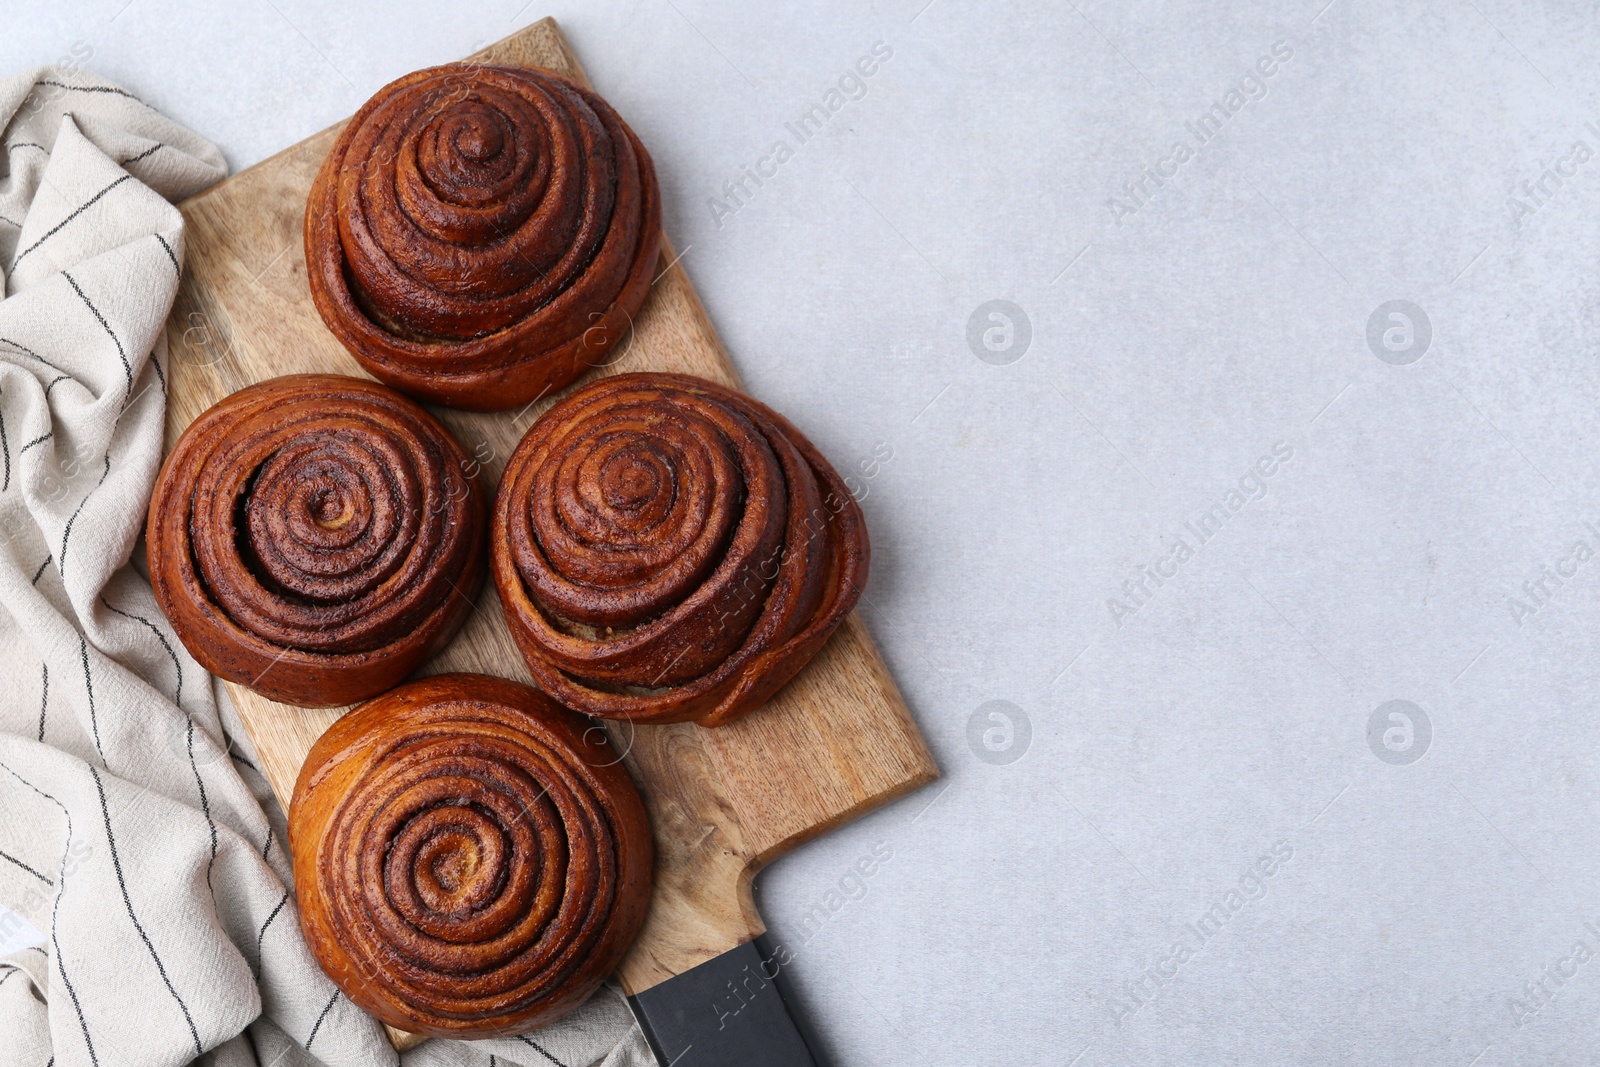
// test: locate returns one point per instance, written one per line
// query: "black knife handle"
(726, 1012)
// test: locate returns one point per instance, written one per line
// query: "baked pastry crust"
(668, 549)
(479, 235)
(470, 859)
(316, 538)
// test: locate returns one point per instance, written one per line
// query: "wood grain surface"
(833, 744)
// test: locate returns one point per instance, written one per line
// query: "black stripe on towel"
(116, 862)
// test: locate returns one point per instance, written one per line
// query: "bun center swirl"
(450, 865)
(327, 519)
(641, 502)
(335, 537)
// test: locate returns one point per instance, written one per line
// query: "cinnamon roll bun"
(668, 549)
(316, 538)
(470, 859)
(480, 235)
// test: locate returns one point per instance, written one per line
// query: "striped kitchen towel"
(147, 912)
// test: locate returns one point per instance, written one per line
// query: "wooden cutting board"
(833, 744)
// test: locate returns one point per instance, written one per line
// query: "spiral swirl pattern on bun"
(470, 859)
(668, 550)
(316, 537)
(480, 235)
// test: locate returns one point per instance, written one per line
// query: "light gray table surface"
(1182, 695)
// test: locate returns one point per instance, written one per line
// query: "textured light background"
(1032, 909)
